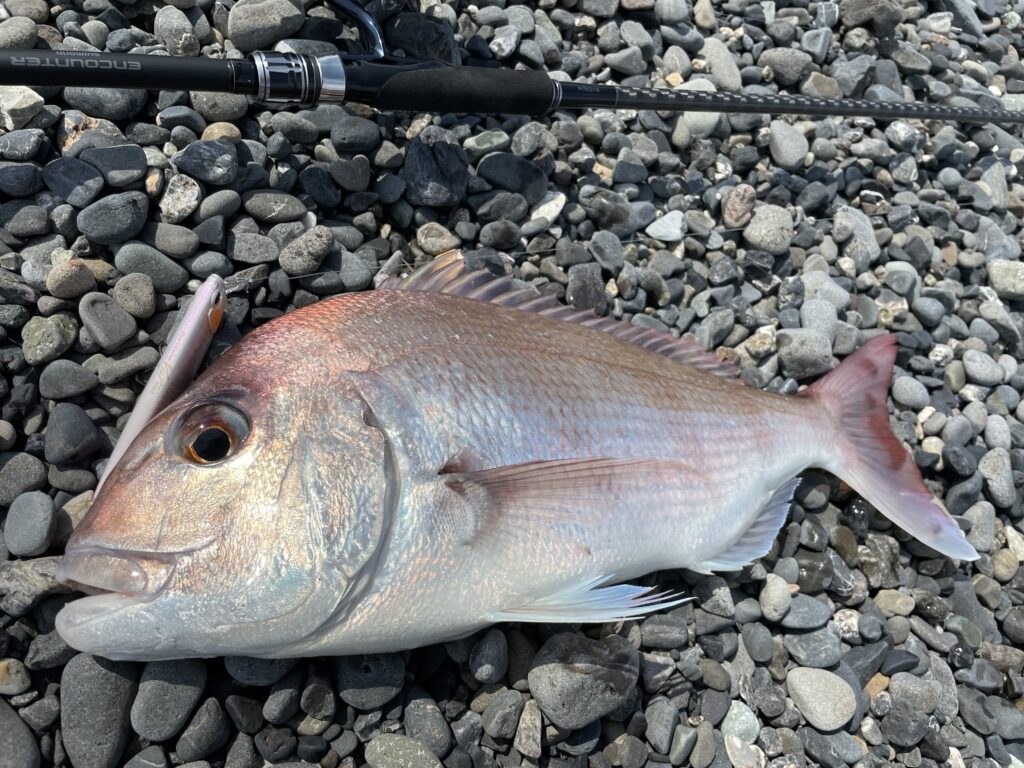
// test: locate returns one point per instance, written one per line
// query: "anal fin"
(758, 538)
(590, 603)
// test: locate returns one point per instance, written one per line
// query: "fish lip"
(105, 571)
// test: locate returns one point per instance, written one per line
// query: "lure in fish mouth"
(385, 470)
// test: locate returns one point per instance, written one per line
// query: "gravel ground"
(784, 244)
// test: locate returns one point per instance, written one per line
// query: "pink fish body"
(385, 470)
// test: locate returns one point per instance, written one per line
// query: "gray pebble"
(96, 696)
(136, 295)
(208, 732)
(30, 525)
(71, 436)
(166, 274)
(168, 692)
(64, 379)
(488, 661)
(260, 672)
(910, 393)
(804, 352)
(424, 722)
(19, 473)
(369, 681)
(822, 697)
(306, 253)
(115, 218)
(109, 325)
(576, 680)
(17, 744)
(121, 165)
(391, 750)
(212, 162)
(818, 649)
(256, 24)
(501, 716)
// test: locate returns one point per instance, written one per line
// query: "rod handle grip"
(467, 90)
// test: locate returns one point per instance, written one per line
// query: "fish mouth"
(104, 571)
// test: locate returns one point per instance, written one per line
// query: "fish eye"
(212, 433)
(210, 445)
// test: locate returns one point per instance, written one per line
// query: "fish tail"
(871, 459)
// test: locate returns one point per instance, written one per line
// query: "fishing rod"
(381, 81)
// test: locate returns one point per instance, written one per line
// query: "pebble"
(136, 295)
(823, 698)
(30, 525)
(71, 436)
(70, 279)
(257, 672)
(488, 660)
(168, 692)
(909, 392)
(787, 144)
(576, 681)
(391, 750)
(306, 253)
(369, 681)
(14, 678)
(166, 275)
(96, 697)
(257, 24)
(17, 744)
(205, 734)
(19, 473)
(115, 218)
(46, 338)
(770, 229)
(804, 352)
(108, 323)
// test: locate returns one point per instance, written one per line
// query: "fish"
(389, 469)
(177, 366)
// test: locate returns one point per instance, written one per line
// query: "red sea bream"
(389, 469)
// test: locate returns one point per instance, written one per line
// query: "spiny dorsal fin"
(449, 274)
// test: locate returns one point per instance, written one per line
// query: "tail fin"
(871, 459)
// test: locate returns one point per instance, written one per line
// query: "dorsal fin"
(449, 274)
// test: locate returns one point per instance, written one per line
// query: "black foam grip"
(467, 90)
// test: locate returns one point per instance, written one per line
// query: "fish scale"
(409, 465)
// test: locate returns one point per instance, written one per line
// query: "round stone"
(369, 681)
(115, 218)
(30, 525)
(168, 692)
(823, 698)
(70, 279)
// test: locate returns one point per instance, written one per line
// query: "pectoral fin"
(564, 491)
(590, 603)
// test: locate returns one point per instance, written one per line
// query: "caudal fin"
(871, 460)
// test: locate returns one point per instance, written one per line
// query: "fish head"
(236, 523)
